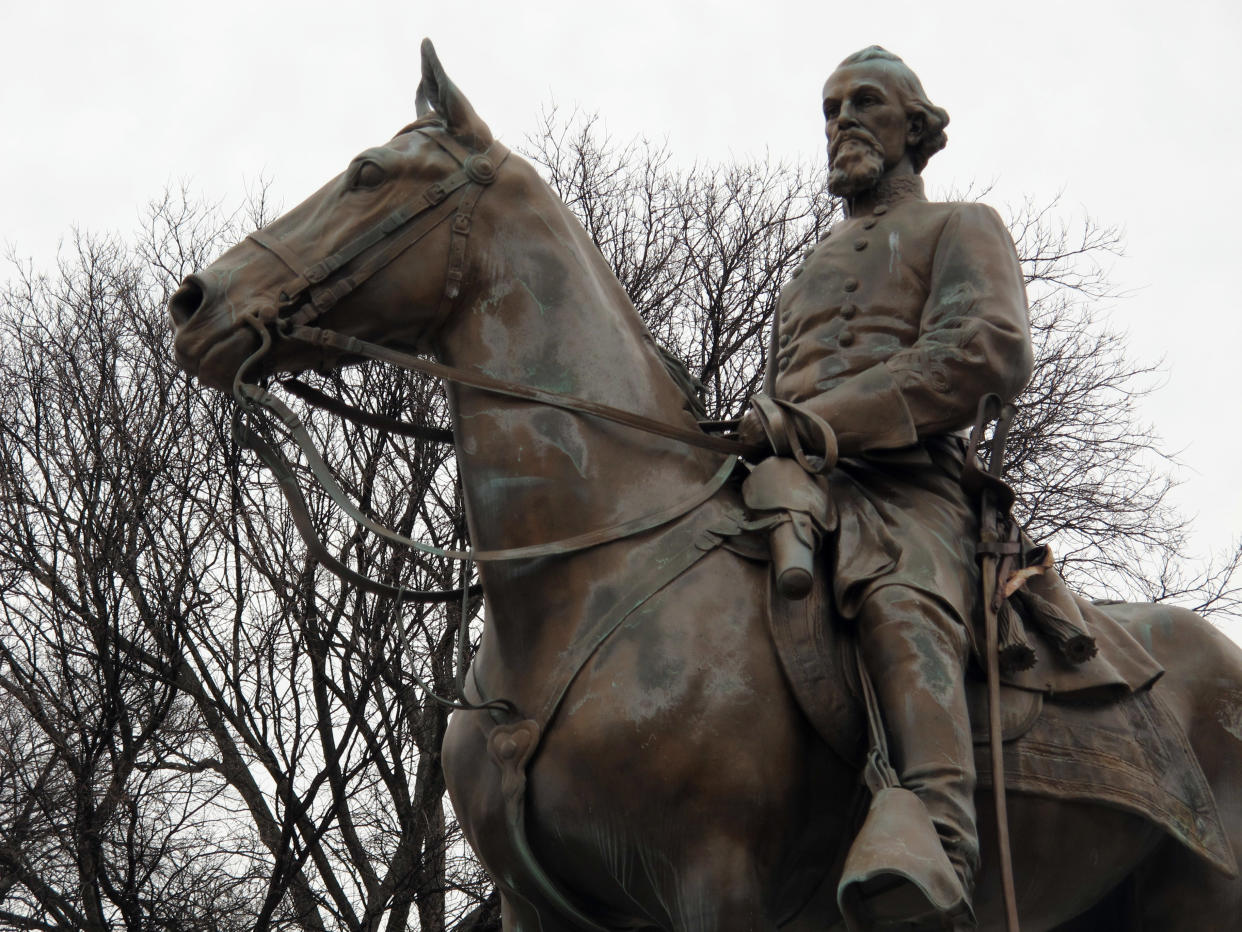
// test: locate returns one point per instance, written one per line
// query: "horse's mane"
(691, 387)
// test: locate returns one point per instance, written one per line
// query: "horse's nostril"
(188, 299)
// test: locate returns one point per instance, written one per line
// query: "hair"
(915, 100)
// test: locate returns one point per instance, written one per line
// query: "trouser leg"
(915, 650)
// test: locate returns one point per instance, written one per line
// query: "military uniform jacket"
(892, 330)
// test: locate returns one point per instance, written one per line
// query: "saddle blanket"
(1129, 753)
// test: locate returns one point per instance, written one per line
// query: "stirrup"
(897, 877)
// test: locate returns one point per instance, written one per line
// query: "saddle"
(1103, 743)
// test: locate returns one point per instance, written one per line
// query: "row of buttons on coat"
(850, 285)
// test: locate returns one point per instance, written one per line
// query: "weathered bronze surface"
(659, 771)
(900, 321)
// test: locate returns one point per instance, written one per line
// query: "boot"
(915, 650)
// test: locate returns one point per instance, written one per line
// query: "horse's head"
(332, 260)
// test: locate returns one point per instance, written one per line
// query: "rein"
(330, 339)
(257, 397)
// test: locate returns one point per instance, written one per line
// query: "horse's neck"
(554, 317)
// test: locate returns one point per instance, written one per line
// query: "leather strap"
(323, 298)
(314, 396)
(318, 399)
(290, 259)
(306, 277)
(878, 772)
(318, 336)
(288, 483)
(780, 420)
(456, 270)
(997, 558)
(269, 402)
(681, 548)
(446, 142)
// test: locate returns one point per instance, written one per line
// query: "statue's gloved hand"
(793, 431)
(750, 431)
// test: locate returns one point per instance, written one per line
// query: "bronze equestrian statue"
(655, 742)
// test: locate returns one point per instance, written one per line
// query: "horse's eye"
(368, 174)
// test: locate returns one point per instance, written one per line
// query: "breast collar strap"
(314, 287)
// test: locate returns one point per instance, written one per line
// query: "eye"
(367, 174)
(831, 111)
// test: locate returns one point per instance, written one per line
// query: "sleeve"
(974, 338)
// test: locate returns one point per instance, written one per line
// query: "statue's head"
(878, 121)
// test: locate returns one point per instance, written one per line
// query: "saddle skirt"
(1111, 747)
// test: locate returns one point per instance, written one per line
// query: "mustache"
(851, 135)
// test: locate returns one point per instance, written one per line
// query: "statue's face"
(868, 129)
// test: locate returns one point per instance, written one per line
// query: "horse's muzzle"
(187, 300)
(208, 343)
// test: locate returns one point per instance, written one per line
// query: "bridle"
(313, 287)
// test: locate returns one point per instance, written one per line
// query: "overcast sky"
(1126, 108)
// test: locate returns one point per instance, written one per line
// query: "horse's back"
(1203, 675)
(1202, 685)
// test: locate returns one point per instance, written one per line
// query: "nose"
(187, 300)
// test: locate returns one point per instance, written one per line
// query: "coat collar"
(893, 190)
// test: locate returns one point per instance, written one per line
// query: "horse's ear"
(436, 92)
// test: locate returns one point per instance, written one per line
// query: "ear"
(916, 128)
(437, 93)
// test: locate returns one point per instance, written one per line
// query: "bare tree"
(201, 729)
(100, 550)
(1094, 477)
(206, 730)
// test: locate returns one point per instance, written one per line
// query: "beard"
(855, 167)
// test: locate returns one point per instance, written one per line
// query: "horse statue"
(636, 757)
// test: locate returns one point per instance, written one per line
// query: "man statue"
(899, 321)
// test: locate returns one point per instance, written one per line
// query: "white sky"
(1129, 108)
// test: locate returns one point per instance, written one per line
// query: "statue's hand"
(788, 429)
(750, 431)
